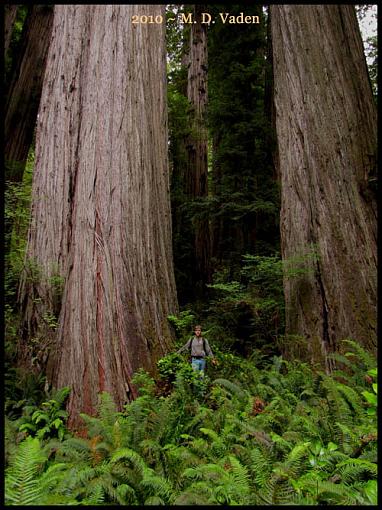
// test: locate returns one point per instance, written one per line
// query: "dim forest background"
(163, 175)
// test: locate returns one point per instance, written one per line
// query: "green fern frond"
(60, 395)
(155, 485)
(84, 475)
(308, 425)
(368, 493)
(21, 478)
(54, 475)
(131, 457)
(199, 493)
(276, 491)
(265, 391)
(179, 456)
(10, 433)
(203, 415)
(295, 436)
(106, 408)
(367, 358)
(339, 407)
(325, 491)
(260, 467)
(211, 434)
(233, 388)
(352, 397)
(126, 495)
(72, 449)
(239, 475)
(345, 436)
(207, 472)
(93, 424)
(199, 447)
(296, 460)
(340, 358)
(280, 441)
(351, 469)
(96, 497)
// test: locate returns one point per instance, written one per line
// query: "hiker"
(199, 348)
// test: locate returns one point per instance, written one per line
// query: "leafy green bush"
(169, 366)
(48, 419)
(372, 397)
(182, 323)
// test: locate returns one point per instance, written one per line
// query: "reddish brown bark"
(326, 129)
(101, 210)
(197, 145)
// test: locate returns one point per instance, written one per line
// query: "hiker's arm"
(208, 349)
(185, 346)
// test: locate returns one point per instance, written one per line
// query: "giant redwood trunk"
(197, 145)
(23, 96)
(326, 129)
(101, 225)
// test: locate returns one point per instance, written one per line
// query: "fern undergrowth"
(285, 434)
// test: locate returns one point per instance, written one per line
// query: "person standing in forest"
(199, 349)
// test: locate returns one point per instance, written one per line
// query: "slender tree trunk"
(197, 170)
(10, 12)
(101, 210)
(326, 129)
(24, 92)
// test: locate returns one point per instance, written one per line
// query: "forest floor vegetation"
(251, 432)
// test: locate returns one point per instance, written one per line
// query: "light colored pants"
(198, 364)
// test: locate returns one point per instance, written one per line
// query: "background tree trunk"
(24, 91)
(101, 209)
(197, 145)
(10, 12)
(326, 129)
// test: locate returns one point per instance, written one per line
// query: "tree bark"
(326, 129)
(197, 145)
(10, 12)
(24, 92)
(101, 211)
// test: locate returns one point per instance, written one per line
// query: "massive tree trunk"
(23, 95)
(101, 211)
(326, 129)
(197, 145)
(10, 12)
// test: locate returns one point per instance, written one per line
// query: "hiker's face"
(198, 332)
